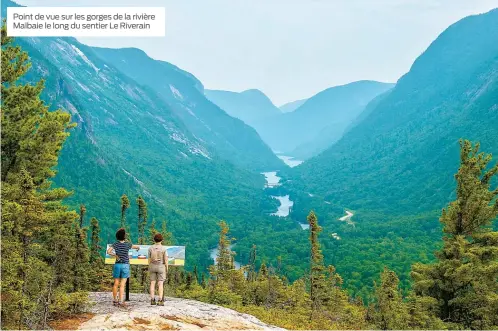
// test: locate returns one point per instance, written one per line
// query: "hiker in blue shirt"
(121, 269)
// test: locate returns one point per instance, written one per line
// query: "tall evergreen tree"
(82, 215)
(317, 268)
(97, 270)
(142, 220)
(224, 257)
(125, 204)
(37, 237)
(81, 266)
(142, 238)
(95, 247)
(251, 272)
(389, 311)
(463, 282)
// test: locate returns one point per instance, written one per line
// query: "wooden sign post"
(176, 257)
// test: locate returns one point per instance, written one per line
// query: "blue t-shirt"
(121, 249)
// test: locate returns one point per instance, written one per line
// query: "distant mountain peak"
(250, 105)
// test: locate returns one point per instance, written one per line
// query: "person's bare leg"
(152, 288)
(160, 290)
(122, 289)
(115, 289)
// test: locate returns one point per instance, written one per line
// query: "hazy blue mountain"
(250, 106)
(335, 108)
(330, 134)
(402, 156)
(291, 106)
(232, 139)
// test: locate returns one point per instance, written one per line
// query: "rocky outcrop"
(176, 314)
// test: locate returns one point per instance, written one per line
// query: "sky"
(290, 49)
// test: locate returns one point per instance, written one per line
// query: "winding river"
(272, 180)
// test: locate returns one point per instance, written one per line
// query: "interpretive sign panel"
(176, 255)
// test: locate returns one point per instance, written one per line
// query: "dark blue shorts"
(121, 270)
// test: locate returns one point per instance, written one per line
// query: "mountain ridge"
(336, 106)
(416, 117)
(249, 106)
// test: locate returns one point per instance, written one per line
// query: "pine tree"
(224, 257)
(95, 247)
(225, 281)
(37, 235)
(463, 282)
(125, 204)
(82, 215)
(96, 260)
(142, 238)
(389, 311)
(142, 220)
(81, 267)
(317, 269)
(251, 272)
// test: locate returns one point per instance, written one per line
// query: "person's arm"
(166, 259)
(148, 255)
(137, 247)
(112, 252)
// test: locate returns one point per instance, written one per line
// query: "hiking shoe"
(153, 302)
(160, 303)
(115, 303)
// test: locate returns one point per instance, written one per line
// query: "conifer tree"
(464, 279)
(96, 260)
(389, 311)
(225, 281)
(224, 257)
(37, 237)
(142, 239)
(142, 220)
(251, 272)
(317, 269)
(95, 247)
(82, 215)
(81, 267)
(125, 204)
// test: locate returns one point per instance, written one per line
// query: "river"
(289, 160)
(285, 206)
(272, 180)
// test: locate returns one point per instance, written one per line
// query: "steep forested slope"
(250, 106)
(230, 137)
(334, 108)
(401, 158)
(128, 140)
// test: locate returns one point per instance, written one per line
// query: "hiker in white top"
(158, 267)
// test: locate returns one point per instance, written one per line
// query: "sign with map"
(176, 255)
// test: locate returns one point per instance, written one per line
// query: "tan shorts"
(157, 272)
